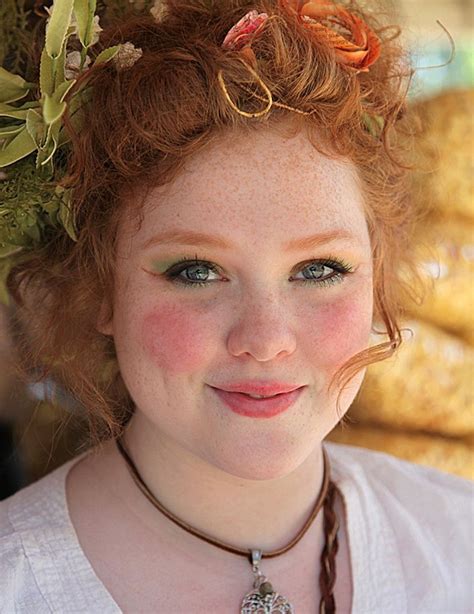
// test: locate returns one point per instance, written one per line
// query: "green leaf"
(76, 113)
(57, 27)
(9, 131)
(36, 127)
(53, 137)
(63, 138)
(6, 264)
(47, 71)
(106, 54)
(35, 104)
(8, 250)
(22, 145)
(51, 72)
(13, 112)
(54, 106)
(65, 215)
(60, 67)
(62, 89)
(81, 98)
(52, 109)
(33, 232)
(12, 87)
(84, 11)
(373, 123)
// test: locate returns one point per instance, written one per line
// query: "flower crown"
(355, 45)
(33, 204)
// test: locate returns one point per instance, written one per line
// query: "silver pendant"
(263, 599)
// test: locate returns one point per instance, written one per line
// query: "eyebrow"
(200, 239)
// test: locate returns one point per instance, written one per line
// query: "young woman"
(239, 197)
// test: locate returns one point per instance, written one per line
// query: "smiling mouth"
(254, 407)
(260, 396)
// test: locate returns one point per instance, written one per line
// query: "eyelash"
(341, 268)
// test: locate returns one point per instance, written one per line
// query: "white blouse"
(410, 530)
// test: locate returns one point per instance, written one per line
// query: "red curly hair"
(140, 126)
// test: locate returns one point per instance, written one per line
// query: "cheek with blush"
(176, 339)
(341, 329)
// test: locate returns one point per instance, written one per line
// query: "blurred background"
(418, 404)
(429, 45)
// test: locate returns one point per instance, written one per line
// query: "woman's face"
(264, 302)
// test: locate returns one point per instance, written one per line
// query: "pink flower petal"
(241, 33)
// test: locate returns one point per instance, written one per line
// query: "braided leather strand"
(327, 577)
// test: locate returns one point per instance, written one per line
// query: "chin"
(266, 460)
(260, 473)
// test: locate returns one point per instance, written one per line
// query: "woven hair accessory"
(355, 46)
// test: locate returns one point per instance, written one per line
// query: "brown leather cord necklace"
(263, 599)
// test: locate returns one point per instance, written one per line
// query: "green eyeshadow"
(160, 266)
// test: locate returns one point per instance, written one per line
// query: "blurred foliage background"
(416, 405)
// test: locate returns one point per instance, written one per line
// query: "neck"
(247, 514)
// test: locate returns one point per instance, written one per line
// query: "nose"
(262, 328)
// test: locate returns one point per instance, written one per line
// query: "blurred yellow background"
(418, 405)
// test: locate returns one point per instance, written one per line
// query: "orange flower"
(356, 45)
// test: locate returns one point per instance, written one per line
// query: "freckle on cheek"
(174, 340)
(341, 331)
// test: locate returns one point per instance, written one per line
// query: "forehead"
(261, 186)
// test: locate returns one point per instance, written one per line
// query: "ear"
(104, 323)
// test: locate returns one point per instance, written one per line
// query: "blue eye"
(325, 278)
(197, 275)
(321, 272)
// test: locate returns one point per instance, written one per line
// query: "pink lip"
(258, 408)
(263, 388)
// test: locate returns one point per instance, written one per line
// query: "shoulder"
(33, 526)
(423, 516)
(429, 498)
(390, 478)
(15, 570)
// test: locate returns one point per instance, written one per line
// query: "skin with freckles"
(252, 311)
(253, 318)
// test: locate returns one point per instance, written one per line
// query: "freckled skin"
(174, 342)
(339, 335)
